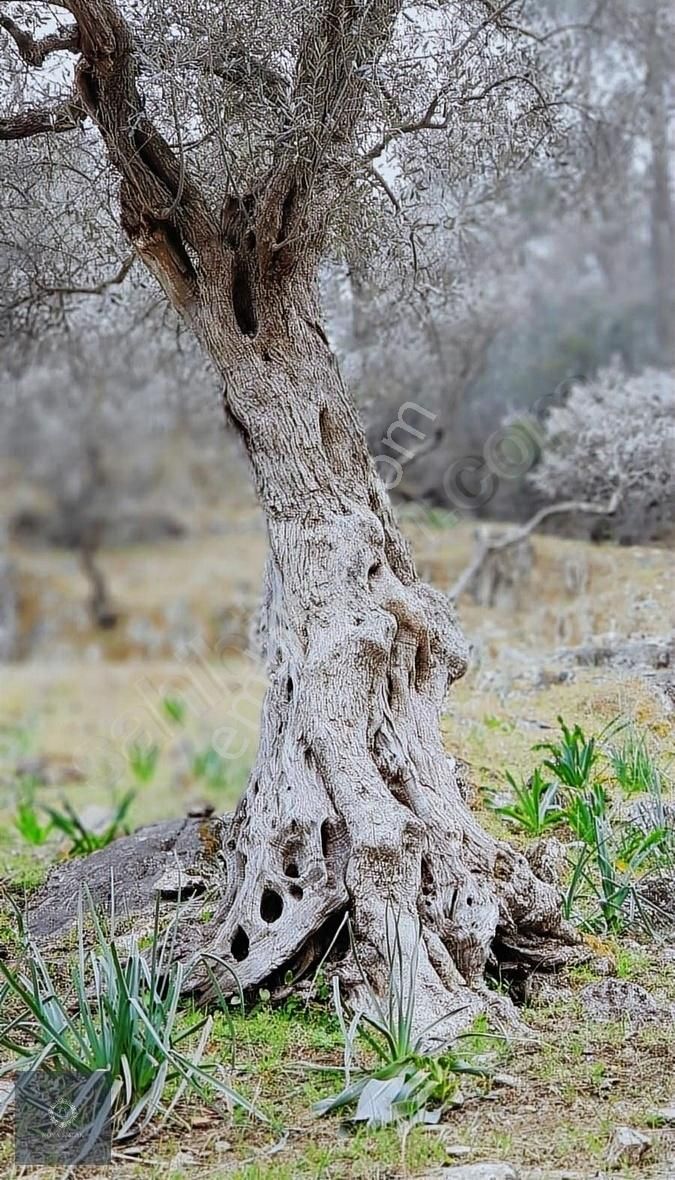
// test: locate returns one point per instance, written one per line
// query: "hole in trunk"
(326, 838)
(421, 661)
(291, 869)
(507, 972)
(325, 431)
(296, 892)
(271, 906)
(332, 936)
(243, 297)
(240, 945)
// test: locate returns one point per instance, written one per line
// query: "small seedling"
(634, 768)
(175, 709)
(83, 839)
(27, 819)
(210, 766)
(143, 761)
(536, 807)
(607, 863)
(573, 758)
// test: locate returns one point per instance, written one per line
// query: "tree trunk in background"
(101, 610)
(662, 215)
(9, 622)
(353, 804)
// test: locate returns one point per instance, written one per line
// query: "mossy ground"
(575, 1080)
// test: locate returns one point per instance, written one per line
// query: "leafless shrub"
(616, 432)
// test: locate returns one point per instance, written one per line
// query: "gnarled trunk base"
(353, 805)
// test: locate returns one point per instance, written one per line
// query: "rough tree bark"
(353, 804)
(662, 213)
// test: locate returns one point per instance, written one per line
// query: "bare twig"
(98, 288)
(491, 545)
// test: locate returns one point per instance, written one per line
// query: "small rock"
(627, 1147)
(177, 883)
(664, 1116)
(6, 1095)
(200, 809)
(648, 812)
(457, 1150)
(492, 1171)
(182, 1159)
(139, 863)
(565, 1174)
(619, 999)
(657, 895)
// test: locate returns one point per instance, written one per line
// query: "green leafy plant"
(535, 807)
(498, 724)
(83, 839)
(27, 819)
(210, 766)
(405, 1083)
(584, 810)
(143, 759)
(175, 709)
(634, 768)
(608, 861)
(573, 758)
(611, 851)
(119, 1015)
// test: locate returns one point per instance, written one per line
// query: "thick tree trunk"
(353, 804)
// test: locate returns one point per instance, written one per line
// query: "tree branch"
(98, 288)
(428, 122)
(163, 211)
(62, 116)
(339, 49)
(514, 537)
(34, 52)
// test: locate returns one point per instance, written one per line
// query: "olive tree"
(248, 146)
